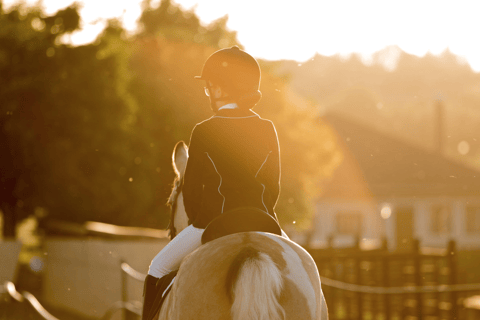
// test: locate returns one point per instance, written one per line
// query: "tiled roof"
(393, 168)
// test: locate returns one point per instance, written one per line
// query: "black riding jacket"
(233, 162)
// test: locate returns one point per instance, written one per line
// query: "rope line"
(399, 290)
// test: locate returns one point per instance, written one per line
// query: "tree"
(169, 21)
(65, 118)
(88, 131)
(28, 43)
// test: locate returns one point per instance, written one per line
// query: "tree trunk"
(9, 221)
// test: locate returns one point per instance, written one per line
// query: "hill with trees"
(397, 93)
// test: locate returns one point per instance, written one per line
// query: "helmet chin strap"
(213, 105)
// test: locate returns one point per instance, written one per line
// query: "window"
(349, 223)
(472, 219)
(441, 219)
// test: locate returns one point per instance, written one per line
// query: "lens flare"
(386, 212)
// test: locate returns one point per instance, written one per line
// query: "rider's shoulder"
(267, 123)
(264, 120)
(202, 124)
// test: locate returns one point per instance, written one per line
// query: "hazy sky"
(296, 29)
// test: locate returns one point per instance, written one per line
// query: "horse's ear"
(179, 158)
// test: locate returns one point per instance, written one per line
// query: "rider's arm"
(193, 178)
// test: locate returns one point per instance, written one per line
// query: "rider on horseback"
(233, 161)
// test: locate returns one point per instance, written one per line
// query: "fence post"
(386, 278)
(327, 291)
(332, 265)
(437, 266)
(452, 268)
(418, 276)
(358, 277)
(384, 246)
(123, 277)
(335, 264)
(346, 295)
(330, 240)
(127, 314)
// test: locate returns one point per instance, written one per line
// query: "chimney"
(439, 130)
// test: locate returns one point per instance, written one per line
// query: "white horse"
(242, 276)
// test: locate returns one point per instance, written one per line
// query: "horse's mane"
(176, 188)
(172, 204)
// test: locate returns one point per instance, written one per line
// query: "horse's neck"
(181, 218)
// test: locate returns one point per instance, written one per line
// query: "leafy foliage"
(64, 117)
(88, 131)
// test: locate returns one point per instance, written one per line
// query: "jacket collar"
(235, 113)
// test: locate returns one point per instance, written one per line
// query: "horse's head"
(178, 217)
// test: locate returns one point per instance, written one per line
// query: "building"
(388, 188)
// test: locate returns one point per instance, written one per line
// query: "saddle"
(244, 219)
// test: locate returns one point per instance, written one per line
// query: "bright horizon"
(326, 28)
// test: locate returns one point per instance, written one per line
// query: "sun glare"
(277, 30)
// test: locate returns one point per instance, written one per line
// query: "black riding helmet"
(235, 71)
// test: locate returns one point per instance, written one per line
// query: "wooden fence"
(426, 283)
(374, 284)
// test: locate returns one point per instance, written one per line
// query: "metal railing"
(129, 307)
(127, 269)
(9, 288)
(132, 307)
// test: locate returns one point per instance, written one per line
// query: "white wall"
(9, 252)
(374, 227)
(423, 222)
(84, 276)
(459, 228)
(467, 241)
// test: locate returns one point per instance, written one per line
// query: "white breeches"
(170, 257)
